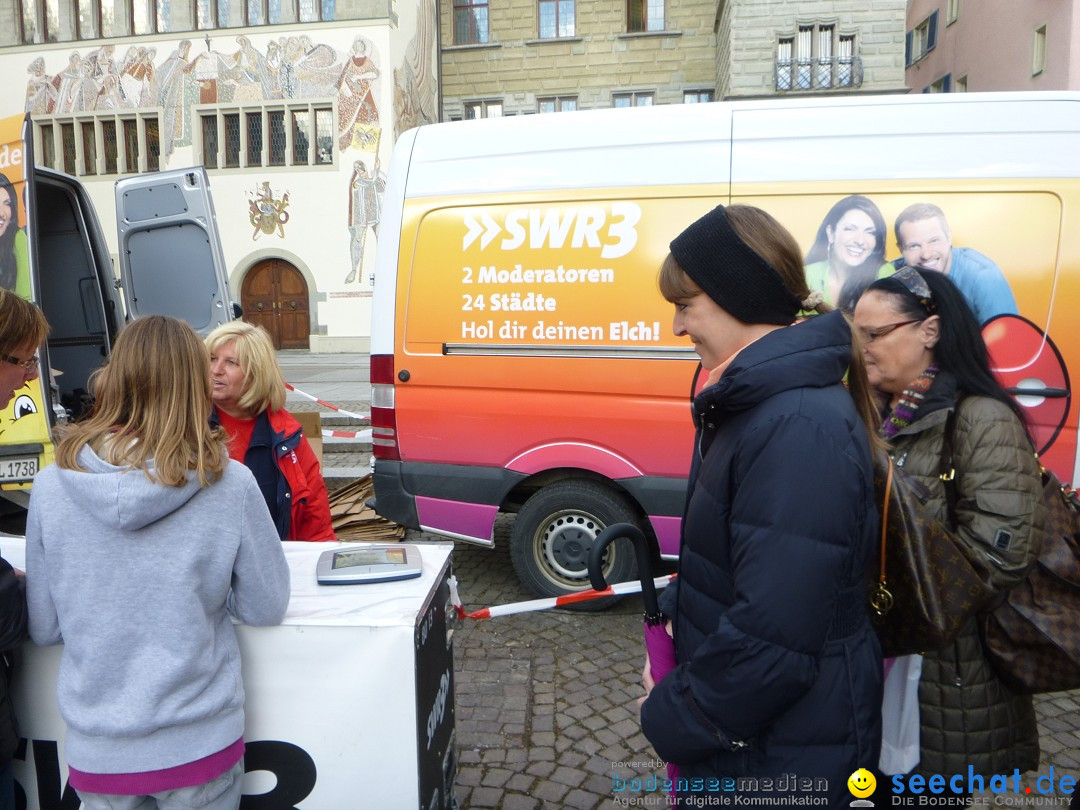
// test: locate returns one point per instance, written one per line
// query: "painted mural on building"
(365, 205)
(266, 211)
(290, 68)
(416, 81)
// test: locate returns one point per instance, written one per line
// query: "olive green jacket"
(968, 716)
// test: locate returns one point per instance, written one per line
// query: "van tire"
(553, 532)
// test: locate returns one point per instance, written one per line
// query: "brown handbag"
(1032, 638)
(927, 588)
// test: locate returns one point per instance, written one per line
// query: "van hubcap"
(565, 543)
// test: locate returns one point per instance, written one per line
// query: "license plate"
(19, 468)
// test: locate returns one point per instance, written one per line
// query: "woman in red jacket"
(249, 398)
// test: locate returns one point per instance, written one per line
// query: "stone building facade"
(795, 48)
(532, 56)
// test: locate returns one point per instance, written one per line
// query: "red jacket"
(289, 477)
(310, 506)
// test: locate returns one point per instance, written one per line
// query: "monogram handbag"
(1032, 638)
(926, 589)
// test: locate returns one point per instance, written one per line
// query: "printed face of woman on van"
(716, 335)
(7, 209)
(853, 239)
(226, 379)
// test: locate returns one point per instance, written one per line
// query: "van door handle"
(1047, 393)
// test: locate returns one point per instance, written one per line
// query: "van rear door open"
(170, 263)
(170, 255)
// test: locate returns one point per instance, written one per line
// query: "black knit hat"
(731, 273)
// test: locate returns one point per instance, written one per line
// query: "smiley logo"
(861, 783)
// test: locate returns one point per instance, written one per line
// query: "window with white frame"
(101, 144)
(556, 18)
(785, 51)
(920, 40)
(556, 104)
(644, 15)
(1038, 54)
(40, 22)
(697, 96)
(942, 85)
(483, 109)
(961, 84)
(804, 71)
(87, 19)
(267, 135)
(845, 60)
(824, 56)
(952, 11)
(632, 99)
(817, 57)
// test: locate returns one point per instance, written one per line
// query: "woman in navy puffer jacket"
(778, 688)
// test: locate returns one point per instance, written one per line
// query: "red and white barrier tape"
(618, 589)
(326, 404)
(360, 435)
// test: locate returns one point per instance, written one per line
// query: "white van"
(523, 360)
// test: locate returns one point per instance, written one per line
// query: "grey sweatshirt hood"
(122, 497)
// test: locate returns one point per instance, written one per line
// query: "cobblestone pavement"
(546, 711)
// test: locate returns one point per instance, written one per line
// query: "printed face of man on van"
(926, 244)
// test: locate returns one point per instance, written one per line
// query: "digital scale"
(368, 563)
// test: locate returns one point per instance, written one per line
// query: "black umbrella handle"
(644, 561)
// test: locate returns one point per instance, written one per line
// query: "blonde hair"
(21, 323)
(774, 243)
(264, 386)
(152, 407)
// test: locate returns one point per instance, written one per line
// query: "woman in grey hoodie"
(142, 542)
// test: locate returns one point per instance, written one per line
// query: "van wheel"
(553, 532)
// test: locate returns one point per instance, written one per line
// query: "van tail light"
(383, 416)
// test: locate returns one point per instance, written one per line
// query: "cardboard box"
(311, 422)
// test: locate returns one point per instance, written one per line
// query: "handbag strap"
(881, 599)
(885, 516)
(947, 470)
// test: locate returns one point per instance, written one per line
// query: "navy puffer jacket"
(779, 671)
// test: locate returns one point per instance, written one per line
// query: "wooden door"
(275, 296)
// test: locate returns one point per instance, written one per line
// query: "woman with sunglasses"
(22, 329)
(925, 355)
